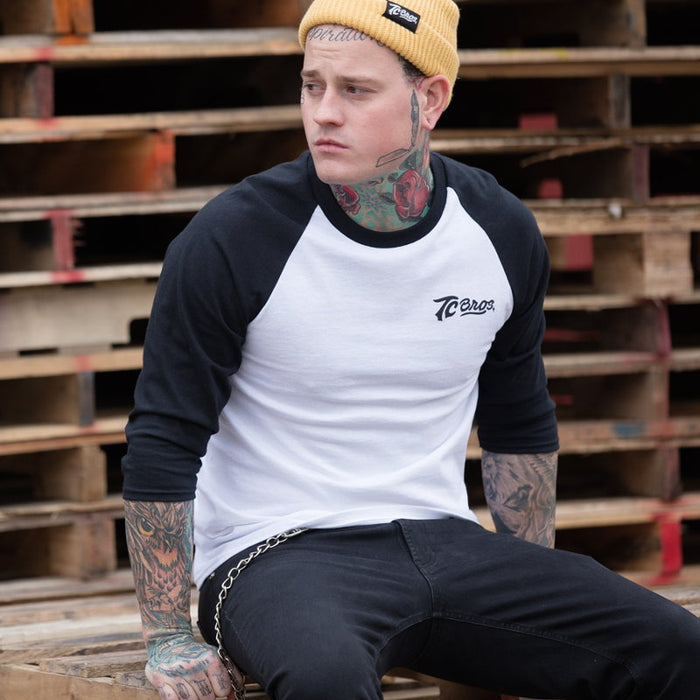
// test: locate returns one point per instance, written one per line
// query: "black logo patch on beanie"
(402, 15)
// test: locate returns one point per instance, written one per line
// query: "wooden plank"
(52, 364)
(558, 143)
(590, 302)
(650, 264)
(211, 121)
(51, 399)
(51, 17)
(26, 90)
(102, 273)
(108, 47)
(27, 246)
(616, 216)
(32, 438)
(138, 163)
(31, 652)
(47, 514)
(27, 17)
(76, 474)
(571, 62)
(602, 436)
(38, 208)
(127, 622)
(685, 360)
(629, 396)
(73, 17)
(599, 363)
(607, 512)
(44, 317)
(28, 681)
(96, 665)
(78, 608)
(78, 546)
(20, 591)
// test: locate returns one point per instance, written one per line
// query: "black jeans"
(326, 614)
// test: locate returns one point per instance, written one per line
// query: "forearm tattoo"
(159, 537)
(521, 494)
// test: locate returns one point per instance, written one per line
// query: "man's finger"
(168, 692)
(219, 679)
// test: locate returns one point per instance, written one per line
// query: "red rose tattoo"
(348, 198)
(411, 193)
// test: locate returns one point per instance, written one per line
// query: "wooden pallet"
(83, 640)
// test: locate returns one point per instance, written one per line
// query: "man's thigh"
(527, 620)
(326, 603)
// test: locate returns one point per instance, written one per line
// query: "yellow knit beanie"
(424, 32)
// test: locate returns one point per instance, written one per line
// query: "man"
(323, 336)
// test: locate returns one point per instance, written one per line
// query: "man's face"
(356, 106)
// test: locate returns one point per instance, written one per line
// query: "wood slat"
(107, 203)
(609, 435)
(36, 438)
(31, 516)
(103, 47)
(578, 62)
(103, 273)
(200, 122)
(53, 364)
(607, 512)
(559, 143)
(109, 47)
(599, 363)
(56, 588)
(36, 318)
(615, 216)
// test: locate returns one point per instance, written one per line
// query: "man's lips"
(328, 146)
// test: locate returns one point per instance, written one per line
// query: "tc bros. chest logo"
(453, 306)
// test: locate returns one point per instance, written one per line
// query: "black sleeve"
(193, 345)
(515, 413)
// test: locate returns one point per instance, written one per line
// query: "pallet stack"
(589, 111)
(119, 120)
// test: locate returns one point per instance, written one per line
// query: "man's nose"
(329, 108)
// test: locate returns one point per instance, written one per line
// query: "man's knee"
(666, 665)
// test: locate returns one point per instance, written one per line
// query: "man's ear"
(437, 93)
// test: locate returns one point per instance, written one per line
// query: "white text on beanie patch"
(402, 15)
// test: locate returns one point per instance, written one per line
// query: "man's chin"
(329, 172)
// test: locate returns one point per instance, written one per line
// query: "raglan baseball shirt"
(300, 370)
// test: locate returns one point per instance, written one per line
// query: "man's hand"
(159, 535)
(182, 668)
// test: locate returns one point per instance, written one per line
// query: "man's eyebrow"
(341, 78)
